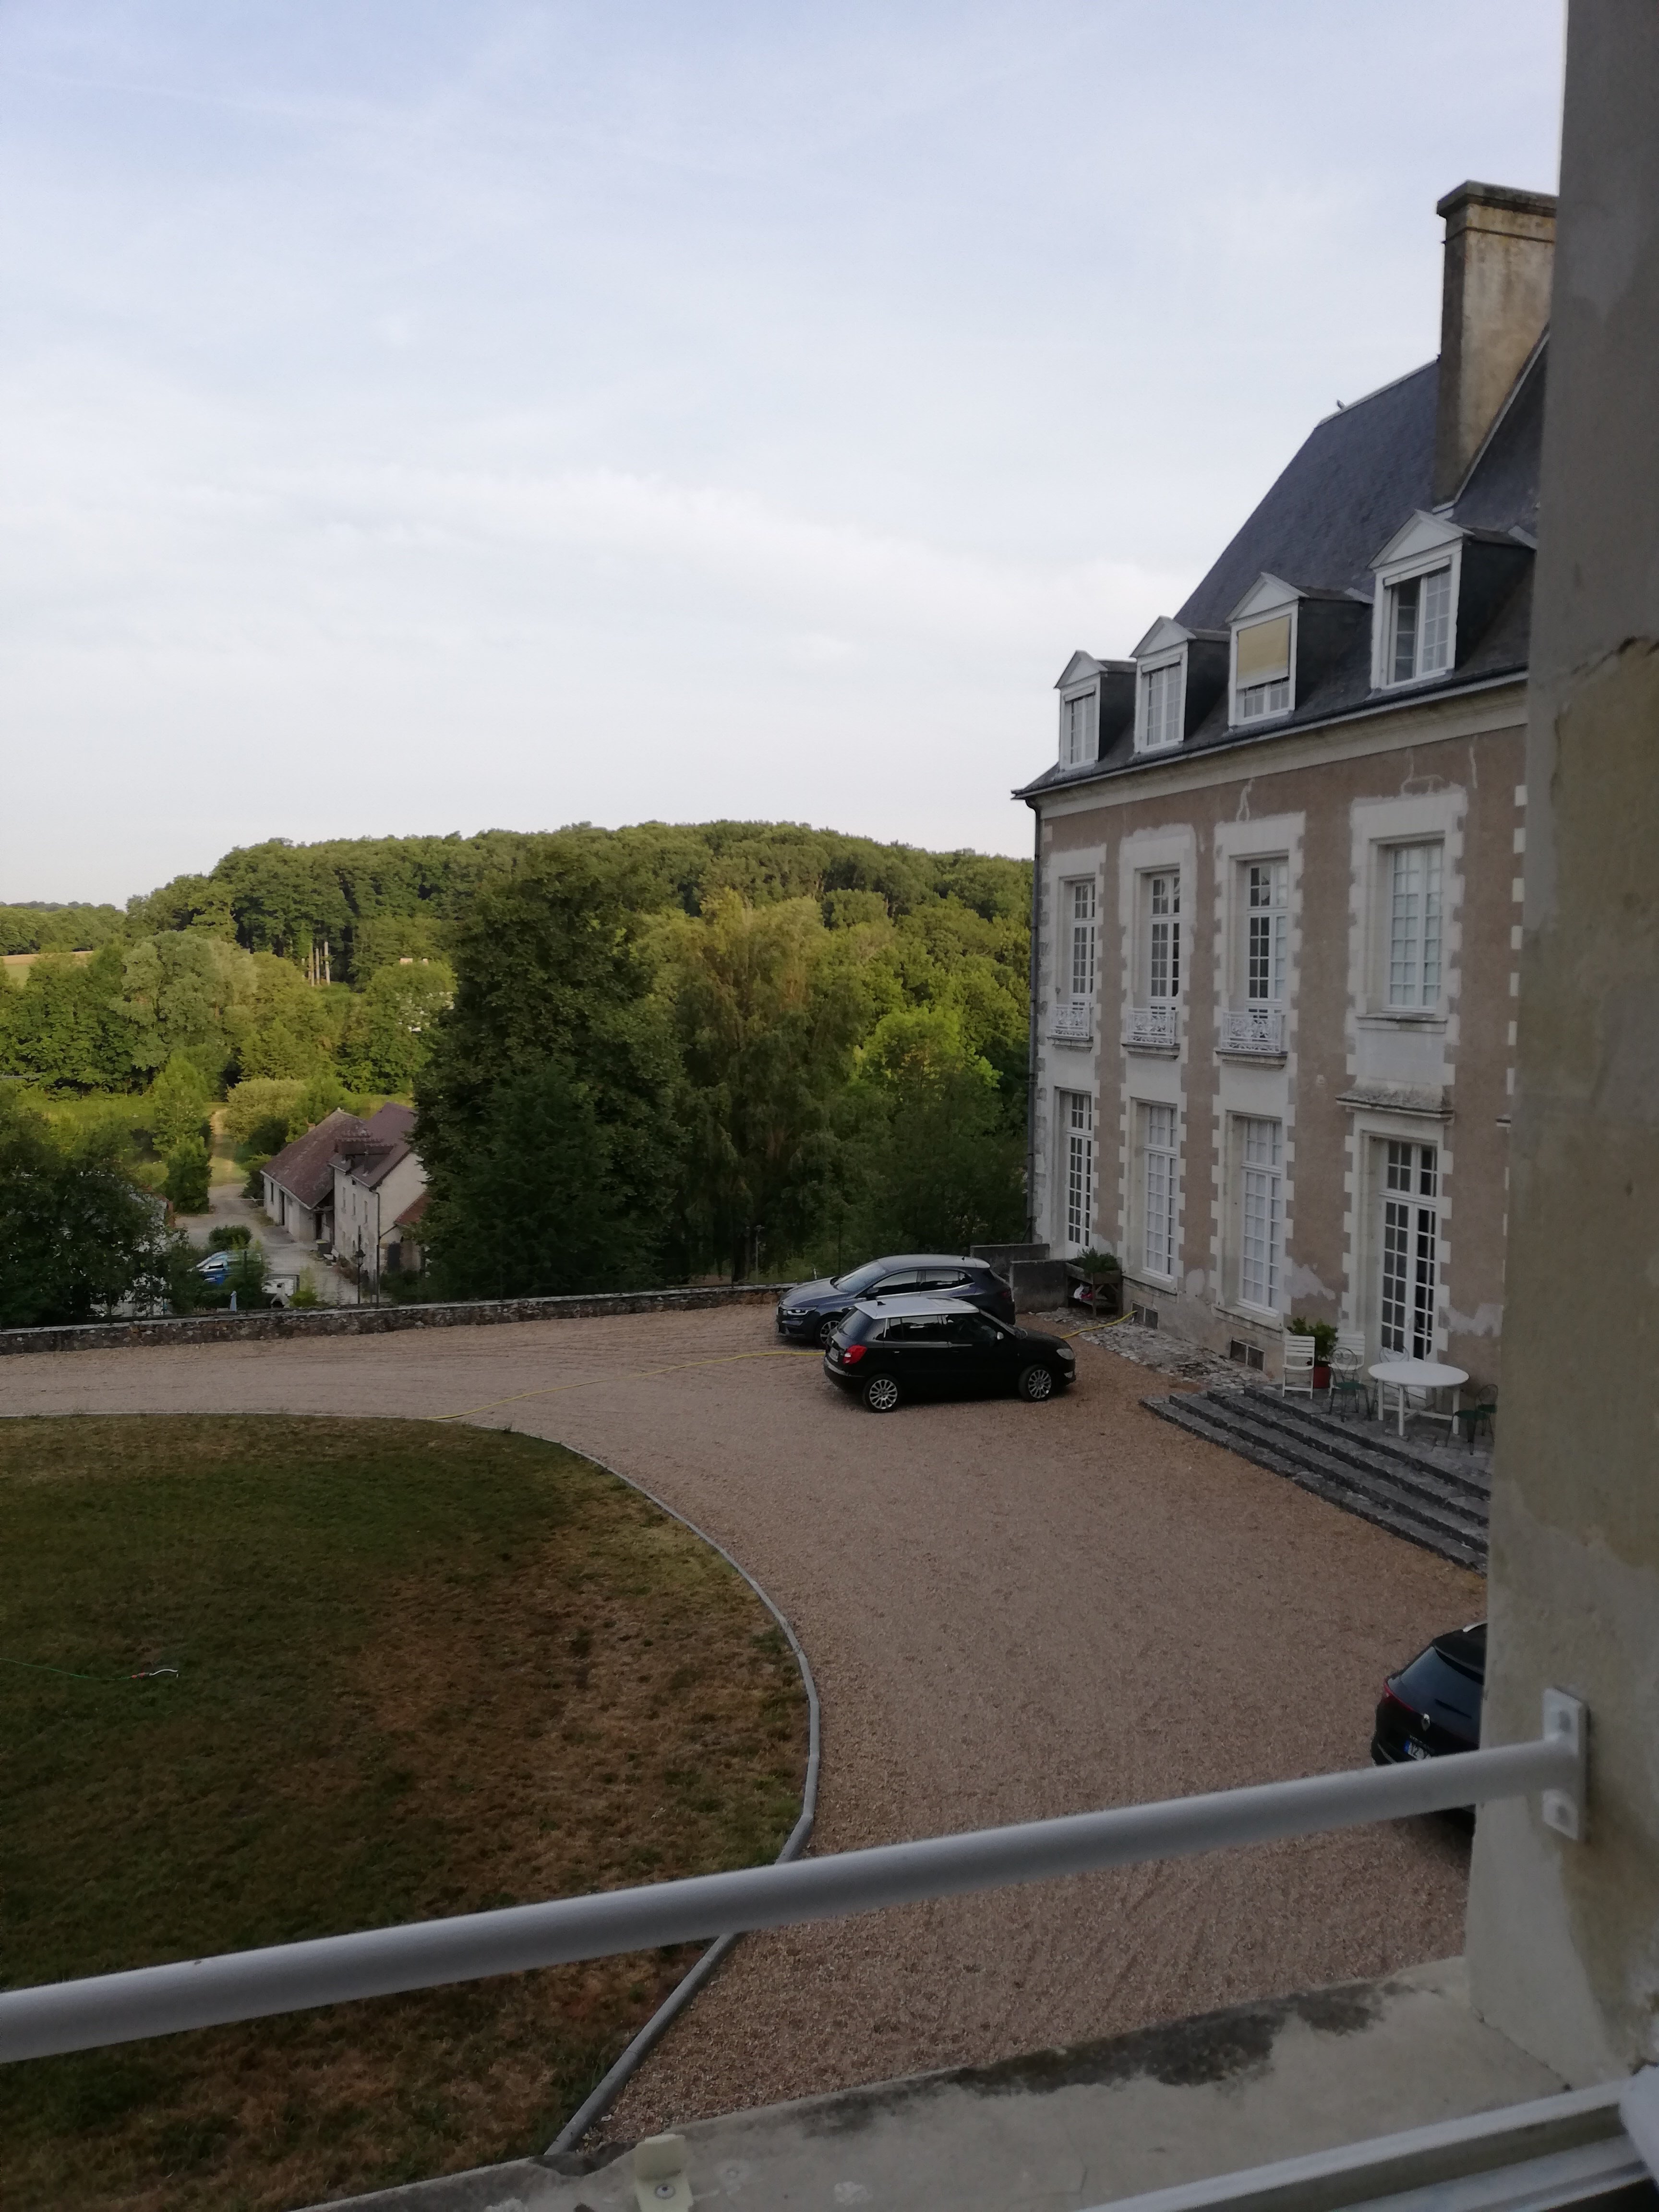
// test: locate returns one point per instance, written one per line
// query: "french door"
(1409, 1249)
(1076, 1121)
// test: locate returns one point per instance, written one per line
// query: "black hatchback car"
(888, 1349)
(810, 1313)
(1433, 1706)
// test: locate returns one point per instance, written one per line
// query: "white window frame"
(1076, 729)
(1263, 929)
(1408, 1178)
(1259, 1153)
(1158, 1161)
(1158, 926)
(1405, 937)
(1143, 674)
(1271, 710)
(1079, 894)
(1447, 560)
(1075, 1112)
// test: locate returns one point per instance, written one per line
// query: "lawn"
(415, 1669)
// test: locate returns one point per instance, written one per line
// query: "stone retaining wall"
(373, 1321)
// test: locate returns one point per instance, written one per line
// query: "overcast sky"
(433, 415)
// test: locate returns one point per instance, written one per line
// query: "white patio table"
(1403, 1375)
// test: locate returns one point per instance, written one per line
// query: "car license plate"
(1415, 1750)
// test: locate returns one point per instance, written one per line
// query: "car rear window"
(1433, 1684)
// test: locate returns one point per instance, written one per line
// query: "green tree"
(178, 1103)
(187, 992)
(389, 1030)
(535, 1206)
(552, 974)
(65, 1029)
(78, 1237)
(188, 1175)
(767, 1021)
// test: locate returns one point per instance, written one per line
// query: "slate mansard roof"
(1357, 480)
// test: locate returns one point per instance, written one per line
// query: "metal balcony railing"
(108, 2009)
(1072, 1022)
(1152, 1029)
(1254, 1032)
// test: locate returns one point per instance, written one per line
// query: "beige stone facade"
(1350, 1078)
(1277, 900)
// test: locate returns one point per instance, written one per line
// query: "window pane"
(1158, 1185)
(1077, 1119)
(1405, 598)
(1163, 705)
(1434, 651)
(1261, 1202)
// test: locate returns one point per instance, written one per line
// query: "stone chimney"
(1495, 302)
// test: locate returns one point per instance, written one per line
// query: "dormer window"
(1416, 617)
(1077, 730)
(1261, 669)
(1160, 705)
(1418, 625)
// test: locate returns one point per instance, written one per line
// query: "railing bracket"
(660, 2182)
(1566, 1721)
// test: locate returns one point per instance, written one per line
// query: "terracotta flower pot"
(1322, 1378)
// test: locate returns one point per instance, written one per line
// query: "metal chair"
(1349, 1388)
(1296, 1367)
(1481, 1413)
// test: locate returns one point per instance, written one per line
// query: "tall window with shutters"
(1159, 1186)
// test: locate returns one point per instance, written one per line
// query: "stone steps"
(1382, 1483)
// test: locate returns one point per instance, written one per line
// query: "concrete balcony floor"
(1061, 2130)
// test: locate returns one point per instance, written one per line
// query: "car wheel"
(827, 1329)
(882, 1394)
(1036, 1384)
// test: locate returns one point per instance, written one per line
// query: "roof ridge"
(1348, 406)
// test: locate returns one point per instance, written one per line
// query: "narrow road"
(1012, 1611)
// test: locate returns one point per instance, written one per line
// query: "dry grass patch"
(422, 1670)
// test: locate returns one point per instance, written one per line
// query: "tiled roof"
(414, 1212)
(305, 1169)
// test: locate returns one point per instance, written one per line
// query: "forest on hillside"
(637, 1054)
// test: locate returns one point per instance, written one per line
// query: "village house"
(355, 1187)
(376, 1183)
(1276, 908)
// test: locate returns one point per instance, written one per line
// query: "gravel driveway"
(1012, 1611)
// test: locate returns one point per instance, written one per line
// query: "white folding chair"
(1297, 1366)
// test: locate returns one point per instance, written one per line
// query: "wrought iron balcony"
(1152, 1029)
(1254, 1033)
(1073, 1021)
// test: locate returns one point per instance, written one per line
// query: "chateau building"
(1276, 906)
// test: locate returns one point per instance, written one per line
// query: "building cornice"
(1442, 718)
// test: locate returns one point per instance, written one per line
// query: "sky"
(443, 415)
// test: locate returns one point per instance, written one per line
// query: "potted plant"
(1099, 1282)
(1323, 1333)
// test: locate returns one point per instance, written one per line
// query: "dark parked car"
(1433, 1705)
(890, 1349)
(811, 1312)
